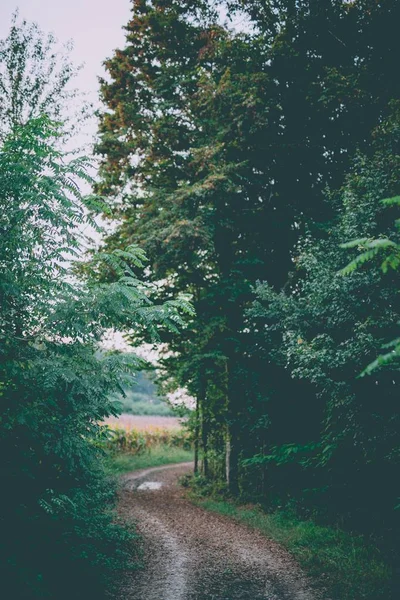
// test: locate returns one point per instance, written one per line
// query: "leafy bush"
(59, 534)
(324, 329)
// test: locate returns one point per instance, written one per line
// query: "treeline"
(60, 537)
(240, 156)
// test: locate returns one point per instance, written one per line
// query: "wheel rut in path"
(192, 554)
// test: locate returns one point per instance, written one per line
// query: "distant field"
(144, 422)
(146, 440)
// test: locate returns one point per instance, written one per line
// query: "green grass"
(344, 565)
(157, 456)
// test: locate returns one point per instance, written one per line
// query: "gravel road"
(191, 554)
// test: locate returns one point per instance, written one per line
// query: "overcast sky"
(95, 26)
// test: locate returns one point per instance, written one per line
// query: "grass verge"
(156, 456)
(345, 566)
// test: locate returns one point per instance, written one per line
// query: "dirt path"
(191, 554)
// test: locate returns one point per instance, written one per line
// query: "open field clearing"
(138, 435)
(144, 422)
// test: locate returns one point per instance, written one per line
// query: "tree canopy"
(235, 157)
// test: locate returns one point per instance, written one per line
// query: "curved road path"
(191, 554)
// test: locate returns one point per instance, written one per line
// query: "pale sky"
(95, 26)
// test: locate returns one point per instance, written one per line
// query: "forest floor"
(192, 554)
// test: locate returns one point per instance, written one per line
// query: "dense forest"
(240, 161)
(248, 157)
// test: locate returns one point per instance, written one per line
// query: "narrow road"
(191, 554)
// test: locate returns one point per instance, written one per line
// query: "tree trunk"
(204, 439)
(232, 460)
(204, 420)
(231, 443)
(196, 437)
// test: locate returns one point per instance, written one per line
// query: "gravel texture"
(192, 554)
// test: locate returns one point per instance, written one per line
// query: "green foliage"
(59, 532)
(215, 159)
(240, 161)
(138, 404)
(323, 328)
(373, 248)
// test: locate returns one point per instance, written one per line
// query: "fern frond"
(358, 261)
(395, 201)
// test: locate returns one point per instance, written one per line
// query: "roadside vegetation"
(156, 456)
(343, 565)
(129, 449)
(60, 535)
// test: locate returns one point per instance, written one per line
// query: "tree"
(183, 204)
(372, 249)
(324, 328)
(55, 509)
(35, 79)
(216, 147)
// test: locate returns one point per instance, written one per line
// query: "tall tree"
(217, 146)
(325, 328)
(185, 202)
